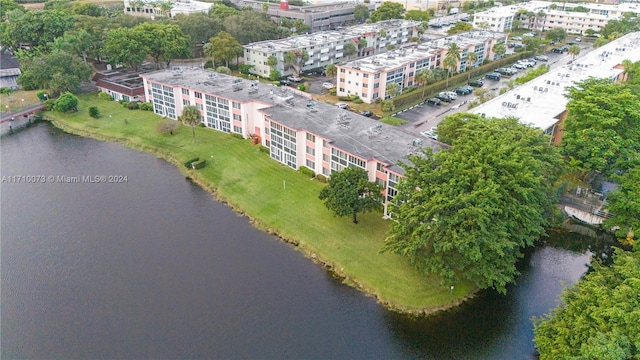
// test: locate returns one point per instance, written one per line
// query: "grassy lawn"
(278, 199)
(14, 100)
(394, 121)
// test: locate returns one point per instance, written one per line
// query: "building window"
(380, 167)
(311, 151)
(236, 105)
(326, 157)
(185, 102)
(237, 129)
(311, 164)
(342, 71)
(311, 137)
(237, 117)
(365, 75)
(326, 172)
(185, 91)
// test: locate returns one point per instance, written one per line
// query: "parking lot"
(424, 116)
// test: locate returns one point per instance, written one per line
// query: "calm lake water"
(154, 268)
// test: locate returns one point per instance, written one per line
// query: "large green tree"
(460, 27)
(467, 212)
(251, 26)
(556, 34)
(198, 27)
(624, 204)
(225, 47)
(361, 13)
(125, 46)
(602, 126)
(417, 15)
(599, 317)
(58, 71)
(350, 192)
(164, 42)
(34, 28)
(387, 11)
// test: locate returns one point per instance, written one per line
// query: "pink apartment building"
(297, 130)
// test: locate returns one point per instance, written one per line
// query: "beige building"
(327, 47)
(168, 8)
(369, 77)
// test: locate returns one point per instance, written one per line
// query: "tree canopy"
(361, 13)
(602, 127)
(350, 192)
(225, 47)
(387, 11)
(460, 27)
(191, 116)
(556, 34)
(467, 212)
(599, 317)
(164, 42)
(624, 203)
(58, 71)
(417, 15)
(34, 28)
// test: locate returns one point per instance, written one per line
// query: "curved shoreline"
(328, 265)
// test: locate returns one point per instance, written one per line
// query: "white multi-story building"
(327, 47)
(167, 8)
(541, 102)
(543, 15)
(368, 78)
(297, 130)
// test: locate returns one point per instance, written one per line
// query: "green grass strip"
(278, 200)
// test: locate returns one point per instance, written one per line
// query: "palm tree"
(208, 51)
(574, 50)
(272, 62)
(471, 59)
(424, 77)
(290, 58)
(265, 7)
(450, 63)
(499, 49)
(393, 90)
(191, 116)
(451, 59)
(331, 70)
(349, 49)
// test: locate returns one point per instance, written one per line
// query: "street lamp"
(22, 104)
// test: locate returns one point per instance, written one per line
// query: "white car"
(327, 85)
(294, 79)
(542, 58)
(342, 105)
(429, 134)
(452, 95)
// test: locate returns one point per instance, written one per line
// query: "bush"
(94, 112)
(244, 68)
(67, 102)
(208, 64)
(321, 178)
(146, 106)
(358, 101)
(306, 171)
(104, 96)
(167, 127)
(123, 102)
(503, 90)
(42, 95)
(274, 75)
(223, 70)
(354, 97)
(344, 98)
(388, 105)
(302, 87)
(134, 105)
(333, 91)
(48, 105)
(5, 91)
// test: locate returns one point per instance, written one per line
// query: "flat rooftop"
(357, 134)
(541, 101)
(399, 57)
(349, 131)
(321, 37)
(317, 8)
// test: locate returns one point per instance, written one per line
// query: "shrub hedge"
(410, 98)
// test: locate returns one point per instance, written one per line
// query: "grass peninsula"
(276, 199)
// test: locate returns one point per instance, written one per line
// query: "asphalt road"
(424, 117)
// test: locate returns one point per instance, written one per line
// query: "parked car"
(517, 38)
(342, 105)
(294, 79)
(463, 91)
(504, 71)
(444, 97)
(476, 83)
(434, 101)
(451, 94)
(468, 88)
(429, 134)
(519, 66)
(493, 76)
(285, 82)
(366, 113)
(327, 85)
(578, 39)
(542, 58)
